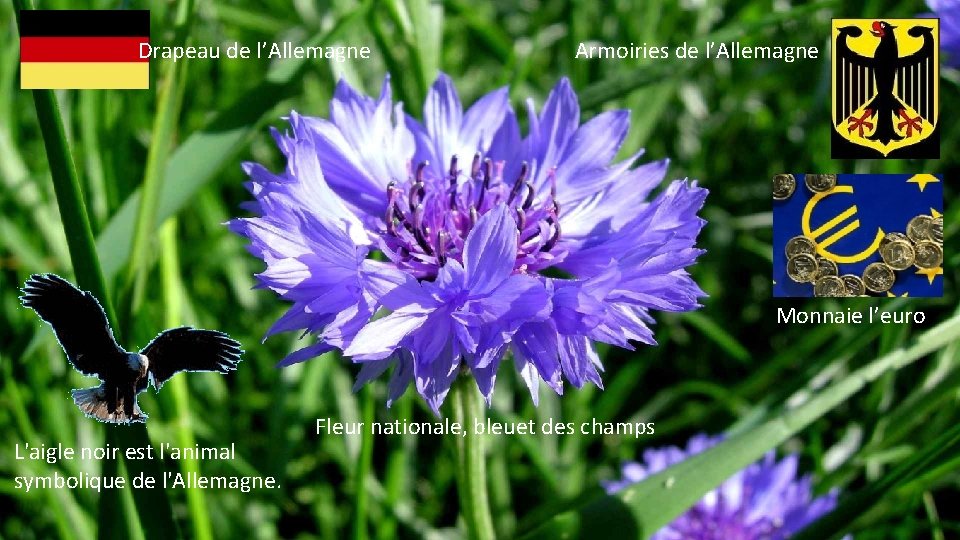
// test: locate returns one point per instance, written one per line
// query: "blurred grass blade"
(427, 41)
(399, 469)
(70, 522)
(647, 506)
(73, 211)
(364, 467)
(173, 303)
(717, 334)
(834, 524)
(477, 19)
(169, 99)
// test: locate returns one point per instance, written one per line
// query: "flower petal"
(305, 353)
(579, 360)
(314, 195)
(490, 250)
(551, 131)
(481, 124)
(619, 197)
(442, 117)
(517, 300)
(485, 372)
(370, 371)
(667, 225)
(537, 343)
(346, 324)
(528, 373)
(401, 377)
(393, 288)
(364, 145)
(381, 337)
(436, 362)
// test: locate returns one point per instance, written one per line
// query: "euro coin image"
(819, 183)
(878, 277)
(918, 229)
(890, 237)
(854, 285)
(831, 286)
(936, 230)
(928, 254)
(783, 186)
(799, 245)
(826, 267)
(802, 268)
(898, 254)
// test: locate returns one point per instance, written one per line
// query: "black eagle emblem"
(886, 101)
(81, 327)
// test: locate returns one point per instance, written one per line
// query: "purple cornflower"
(486, 241)
(766, 500)
(949, 13)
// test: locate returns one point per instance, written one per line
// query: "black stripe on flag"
(85, 22)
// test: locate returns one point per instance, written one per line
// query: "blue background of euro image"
(885, 201)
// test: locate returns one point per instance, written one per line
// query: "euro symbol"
(831, 224)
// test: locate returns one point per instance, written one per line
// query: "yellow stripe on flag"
(85, 75)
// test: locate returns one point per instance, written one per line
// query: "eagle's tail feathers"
(93, 403)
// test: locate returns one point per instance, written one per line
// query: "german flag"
(75, 48)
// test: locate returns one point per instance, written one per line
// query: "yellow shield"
(885, 87)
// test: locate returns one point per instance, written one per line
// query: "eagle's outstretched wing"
(854, 75)
(188, 349)
(917, 73)
(77, 319)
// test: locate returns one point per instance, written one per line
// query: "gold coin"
(802, 268)
(820, 182)
(878, 277)
(783, 186)
(831, 286)
(826, 267)
(898, 254)
(928, 254)
(936, 230)
(854, 285)
(890, 237)
(918, 229)
(800, 245)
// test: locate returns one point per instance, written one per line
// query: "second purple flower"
(489, 241)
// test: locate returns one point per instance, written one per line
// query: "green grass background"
(726, 368)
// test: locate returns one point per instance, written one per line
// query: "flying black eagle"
(886, 83)
(81, 327)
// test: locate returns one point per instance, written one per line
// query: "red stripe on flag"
(82, 49)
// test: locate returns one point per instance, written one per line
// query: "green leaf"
(716, 333)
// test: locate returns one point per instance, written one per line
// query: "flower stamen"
(442, 213)
(487, 176)
(453, 183)
(521, 178)
(442, 247)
